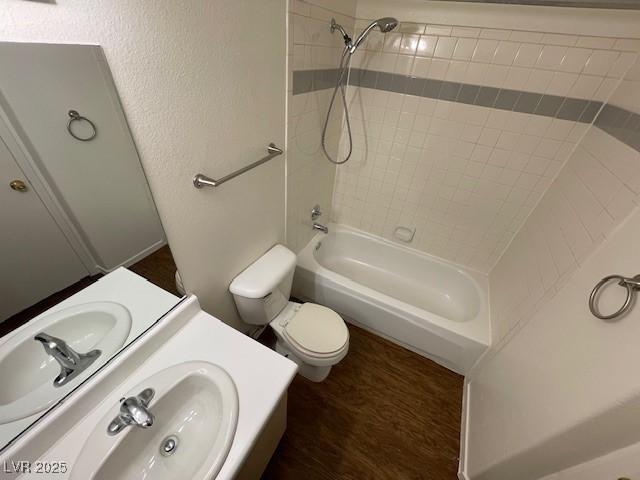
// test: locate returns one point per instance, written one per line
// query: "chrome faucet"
(322, 228)
(315, 214)
(71, 362)
(133, 411)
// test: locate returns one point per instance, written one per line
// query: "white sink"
(28, 372)
(195, 403)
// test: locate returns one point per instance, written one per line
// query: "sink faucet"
(133, 411)
(315, 214)
(71, 362)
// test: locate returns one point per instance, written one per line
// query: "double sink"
(194, 405)
(161, 403)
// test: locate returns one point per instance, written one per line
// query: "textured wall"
(202, 85)
(310, 176)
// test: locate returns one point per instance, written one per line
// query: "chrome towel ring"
(631, 284)
(74, 116)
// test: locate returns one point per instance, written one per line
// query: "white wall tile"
(464, 49)
(551, 57)
(468, 177)
(506, 53)
(426, 45)
(445, 47)
(528, 55)
(438, 30)
(485, 51)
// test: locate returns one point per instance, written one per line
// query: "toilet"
(313, 336)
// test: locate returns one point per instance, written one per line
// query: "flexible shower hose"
(339, 85)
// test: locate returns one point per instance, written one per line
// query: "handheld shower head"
(385, 25)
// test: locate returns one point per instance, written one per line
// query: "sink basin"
(28, 372)
(195, 405)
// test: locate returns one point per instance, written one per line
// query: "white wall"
(623, 463)
(565, 388)
(560, 387)
(202, 85)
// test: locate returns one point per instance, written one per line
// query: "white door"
(36, 259)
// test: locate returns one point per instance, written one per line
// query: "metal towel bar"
(201, 180)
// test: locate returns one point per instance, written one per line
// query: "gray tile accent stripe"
(566, 108)
(618, 122)
(621, 124)
(305, 81)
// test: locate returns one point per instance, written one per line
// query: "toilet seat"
(317, 331)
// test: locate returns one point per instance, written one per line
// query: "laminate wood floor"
(383, 413)
(158, 267)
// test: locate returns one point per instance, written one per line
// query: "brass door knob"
(18, 185)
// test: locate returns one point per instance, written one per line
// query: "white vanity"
(217, 398)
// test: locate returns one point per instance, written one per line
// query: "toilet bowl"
(313, 336)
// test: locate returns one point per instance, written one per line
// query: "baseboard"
(135, 258)
(462, 466)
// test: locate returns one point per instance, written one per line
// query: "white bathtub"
(427, 305)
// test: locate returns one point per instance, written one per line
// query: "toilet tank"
(262, 290)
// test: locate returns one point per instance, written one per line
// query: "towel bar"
(201, 180)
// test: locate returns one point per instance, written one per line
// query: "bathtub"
(425, 304)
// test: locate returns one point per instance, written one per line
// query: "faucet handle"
(315, 213)
(133, 411)
(146, 396)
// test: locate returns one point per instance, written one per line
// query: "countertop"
(260, 374)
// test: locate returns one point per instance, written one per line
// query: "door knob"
(18, 185)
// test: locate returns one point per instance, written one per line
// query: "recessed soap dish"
(404, 234)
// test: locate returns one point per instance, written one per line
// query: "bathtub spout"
(322, 228)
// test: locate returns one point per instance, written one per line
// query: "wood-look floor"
(383, 413)
(158, 267)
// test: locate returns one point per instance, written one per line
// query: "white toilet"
(313, 336)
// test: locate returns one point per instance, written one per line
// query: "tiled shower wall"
(595, 191)
(312, 50)
(458, 132)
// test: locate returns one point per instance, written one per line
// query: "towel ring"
(74, 116)
(631, 284)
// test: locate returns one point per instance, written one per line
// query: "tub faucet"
(133, 411)
(315, 214)
(71, 362)
(322, 228)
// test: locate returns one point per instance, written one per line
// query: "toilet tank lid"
(263, 275)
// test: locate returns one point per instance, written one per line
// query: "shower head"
(385, 25)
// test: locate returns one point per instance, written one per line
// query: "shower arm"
(347, 39)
